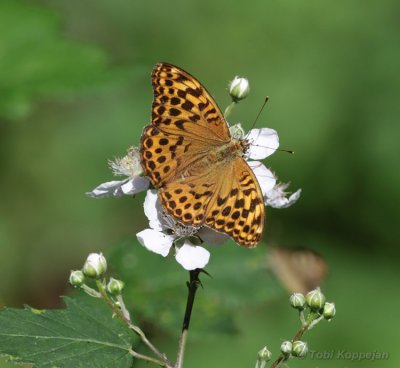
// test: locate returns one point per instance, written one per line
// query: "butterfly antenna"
(259, 113)
(255, 121)
(285, 150)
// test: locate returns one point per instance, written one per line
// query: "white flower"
(128, 166)
(239, 88)
(274, 193)
(263, 143)
(264, 176)
(165, 234)
(192, 256)
(276, 197)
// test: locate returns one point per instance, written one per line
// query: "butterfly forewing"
(182, 104)
(166, 157)
(188, 153)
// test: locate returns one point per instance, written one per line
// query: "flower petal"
(155, 241)
(110, 188)
(153, 210)
(135, 185)
(192, 256)
(276, 197)
(263, 143)
(265, 177)
(211, 236)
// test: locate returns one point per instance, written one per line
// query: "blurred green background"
(75, 91)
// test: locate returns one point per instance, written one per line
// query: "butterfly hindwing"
(237, 208)
(232, 206)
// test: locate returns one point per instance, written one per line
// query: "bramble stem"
(148, 359)
(124, 310)
(192, 285)
(123, 314)
(89, 291)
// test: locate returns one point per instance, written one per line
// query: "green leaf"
(155, 287)
(36, 60)
(84, 334)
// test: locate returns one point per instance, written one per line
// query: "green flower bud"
(95, 265)
(76, 278)
(239, 89)
(297, 301)
(315, 299)
(115, 286)
(264, 355)
(329, 311)
(286, 348)
(236, 131)
(300, 349)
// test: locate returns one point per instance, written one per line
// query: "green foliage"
(155, 287)
(81, 335)
(37, 61)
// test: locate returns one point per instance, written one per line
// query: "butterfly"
(299, 269)
(189, 155)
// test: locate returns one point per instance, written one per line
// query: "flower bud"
(315, 299)
(115, 286)
(297, 301)
(300, 349)
(236, 131)
(286, 348)
(95, 265)
(329, 311)
(76, 278)
(264, 355)
(239, 89)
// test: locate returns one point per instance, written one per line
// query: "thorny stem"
(123, 315)
(192, 285)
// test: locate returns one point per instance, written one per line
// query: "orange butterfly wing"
(179, 154)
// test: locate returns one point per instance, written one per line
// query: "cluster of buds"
(312, 308)
(316, 302)
(318, 308)
(95, 268)
(297, 348)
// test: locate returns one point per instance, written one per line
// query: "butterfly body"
(189, 155)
